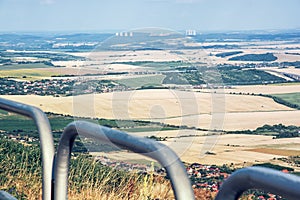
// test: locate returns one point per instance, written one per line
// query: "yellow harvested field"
(127, 56)
(282, 57)
(69, 64)
(291, 70)
(265, 89)
(94, 67)
(228, 149)
(206, 55)
(70, 71)
(171, 133)
(280, 152)
(204, 110)
(239, 120)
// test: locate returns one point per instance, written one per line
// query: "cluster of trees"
(278, 131)
(293, 160)
(227, 75)
(273, 166)
(152, 137)
(295, 64)
(265, 57)
(226, 54)
(248, 77)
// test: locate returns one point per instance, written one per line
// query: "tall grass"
(21, 176)
(20, 170)
(88, 179)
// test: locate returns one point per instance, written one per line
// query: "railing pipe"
(175, 169)
(269, 180)
(6, 196)
(46, 139)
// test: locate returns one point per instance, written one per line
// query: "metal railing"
(6, 196)
(55, 176)
(164, 155)
(270, 180)
(46, 139)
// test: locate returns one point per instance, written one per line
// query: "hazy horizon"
(113, 31)
(116, 15)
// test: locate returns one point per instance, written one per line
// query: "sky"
(105, 15)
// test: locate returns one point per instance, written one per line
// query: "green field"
(17, 124)
(293, 98)
(26, 74)
(150, 80)
(24, 66)
(3, 112)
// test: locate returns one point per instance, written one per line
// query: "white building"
(190, 33)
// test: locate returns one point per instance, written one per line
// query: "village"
(57, 87)
(207, 177)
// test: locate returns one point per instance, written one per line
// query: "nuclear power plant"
(124, 34)
(190, 33)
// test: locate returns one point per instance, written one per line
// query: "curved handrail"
(270, 180)
(6, 196)
(174, 167)
(46, 139)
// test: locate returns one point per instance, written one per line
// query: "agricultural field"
(264, 89)
(137, 82)
(191, 145)
(241, 150)
(157, 65)
(174, 107)
(293, 98)
(26, 74)
(189, 117)
(24, 66)
(222, 92)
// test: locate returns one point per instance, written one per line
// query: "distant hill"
(249, 36)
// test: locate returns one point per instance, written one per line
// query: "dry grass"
(88, 181)
(149, 188)
(21, 176)
(29, 184)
